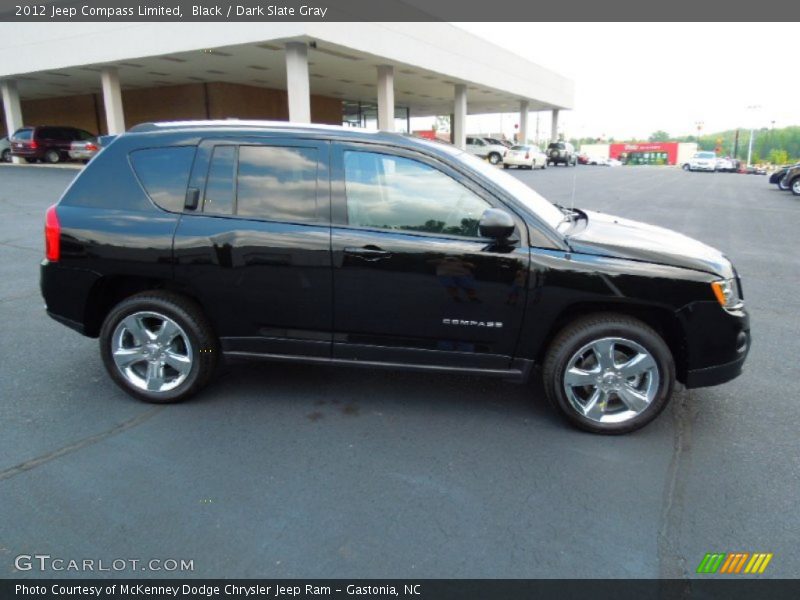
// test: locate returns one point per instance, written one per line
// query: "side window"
(392, 192)
(277, 183)
(218, 197)
(164, 174)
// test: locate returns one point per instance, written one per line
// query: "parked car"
(49, 144)
(702, 161)
(84, 150)
(5, 150)
(778, 176)
(612, 162)
(583, 159)
(791, 181)
(596, 160)
(184, 243)
(562, 153)
(725, 165)
(484, 149)
(527, 156)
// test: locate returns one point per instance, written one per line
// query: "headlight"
(727, 293)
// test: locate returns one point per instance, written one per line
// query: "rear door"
(256, 250)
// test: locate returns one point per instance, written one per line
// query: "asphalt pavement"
(285, 471)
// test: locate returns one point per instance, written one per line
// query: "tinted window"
(277, 183)
(391, 192)
(164, 173)
(219, 186)
(556, 146)
(23, 134)
(82, 135)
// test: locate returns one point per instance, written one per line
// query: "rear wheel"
(783, 184)
(158, 347)
(686, 167)
(52, 156)
(6, 155)
(495, 158)
(609, 374)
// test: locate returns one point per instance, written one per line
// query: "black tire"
(783, 186)
(191, 320)
(583, 331)
(686, 167)
(52, 156)
(494, 158)
(505, 166)
(795, 186)
(31, 161)
(6, 156)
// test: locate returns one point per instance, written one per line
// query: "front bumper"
(717, 343)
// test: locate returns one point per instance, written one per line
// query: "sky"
(632, 79)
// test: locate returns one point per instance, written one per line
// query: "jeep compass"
(183, 244)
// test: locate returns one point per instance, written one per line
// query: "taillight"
(52, 235)
(91, 147)
(33, 145)
(527, 155)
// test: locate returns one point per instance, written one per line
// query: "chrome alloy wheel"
(611, 380)
(152, 351)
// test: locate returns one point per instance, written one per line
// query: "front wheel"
(609, 374)
(158, 347)
(795, 185)
(495, 158)
(687, 168)
(6, 156)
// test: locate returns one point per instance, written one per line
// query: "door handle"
(369, 253)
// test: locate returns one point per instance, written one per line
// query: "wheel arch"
(664, 321)
(110, 290)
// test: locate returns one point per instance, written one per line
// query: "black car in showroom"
(185, 243)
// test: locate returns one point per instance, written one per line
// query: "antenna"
(574, 184)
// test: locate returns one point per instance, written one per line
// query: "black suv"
(562, 153)
(181, 244)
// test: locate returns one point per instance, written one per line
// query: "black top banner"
(396, 10)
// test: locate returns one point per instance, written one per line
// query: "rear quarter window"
(23, 134)
(164, 174)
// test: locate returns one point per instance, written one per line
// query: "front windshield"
(706, 155)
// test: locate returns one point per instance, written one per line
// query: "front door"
(413, 280)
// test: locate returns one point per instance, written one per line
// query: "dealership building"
(106, 77)
(644, 153)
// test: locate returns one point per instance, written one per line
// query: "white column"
(386, 97)
(460, 116)
(554, 126)
(12, 109)
(297, 86)
(112, 101)
(524, 107)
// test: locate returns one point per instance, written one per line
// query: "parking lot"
(304, 471)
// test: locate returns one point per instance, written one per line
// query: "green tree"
(659, 136)
(778, 157)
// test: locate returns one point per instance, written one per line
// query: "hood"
(607, 235)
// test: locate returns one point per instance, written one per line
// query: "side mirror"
(496, 223)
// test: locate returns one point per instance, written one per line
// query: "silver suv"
(561, 153)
